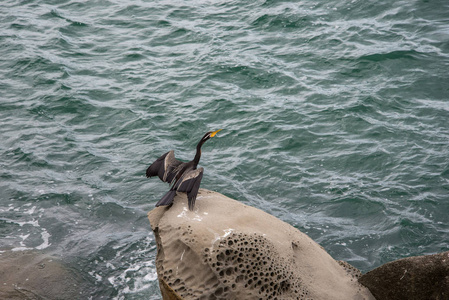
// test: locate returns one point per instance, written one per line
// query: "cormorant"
(184, 176)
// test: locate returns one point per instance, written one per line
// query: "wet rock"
(34, 275)
(227, 250)
(413, 278)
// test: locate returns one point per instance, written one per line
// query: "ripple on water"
(334, 115)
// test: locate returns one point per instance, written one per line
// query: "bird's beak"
(214, 133)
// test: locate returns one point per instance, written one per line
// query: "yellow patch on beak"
(214, 133)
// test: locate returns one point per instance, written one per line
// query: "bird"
(182, 176)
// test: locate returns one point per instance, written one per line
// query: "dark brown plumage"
(183, 176)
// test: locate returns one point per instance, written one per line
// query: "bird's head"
(209, 135)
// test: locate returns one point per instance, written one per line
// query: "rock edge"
(227, 250)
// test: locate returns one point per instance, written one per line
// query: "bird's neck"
(196, 160)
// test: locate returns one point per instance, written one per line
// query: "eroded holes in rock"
(220, 257)
(230, 243)
(221, 273)
(229, 271)
(228, 252)
(219, 291)
(239, 278)
(176, 282)
(284, 286)
(233, 286)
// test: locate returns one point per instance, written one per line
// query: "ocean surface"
(335, 118)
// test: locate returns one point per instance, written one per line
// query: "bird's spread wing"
(165, 167)
(190, 184)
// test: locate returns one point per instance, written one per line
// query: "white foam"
(97, 276)
(45, 236)
(111, 280)
(24, 237)
(21, 248)
(110, 266)
(138, 277)
(30, 211)
(34, 223)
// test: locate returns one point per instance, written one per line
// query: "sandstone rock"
(411, 278)
(227, 250)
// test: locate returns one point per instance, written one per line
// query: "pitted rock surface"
(252, 262)
(227, 250)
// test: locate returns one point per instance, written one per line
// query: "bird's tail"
(167, 199)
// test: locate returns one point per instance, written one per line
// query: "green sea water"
(335, 118)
